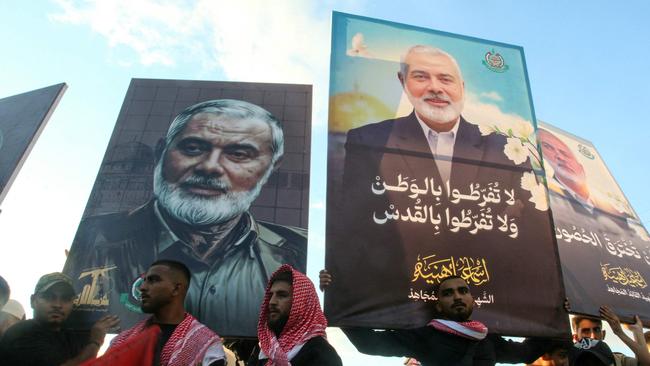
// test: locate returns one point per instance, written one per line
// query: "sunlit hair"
(578, 318)
(432, 51)
(196, 210)
(230, 109)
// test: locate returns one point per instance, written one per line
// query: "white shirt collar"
(426, 129)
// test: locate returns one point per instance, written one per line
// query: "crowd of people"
(291, 330)
(291, 327)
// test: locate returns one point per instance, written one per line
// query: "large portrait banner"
(212, 174)
(434, 170)
(604, 248)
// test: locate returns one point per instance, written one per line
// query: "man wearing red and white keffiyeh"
(453, 340)
(182, 340)
(291, 327)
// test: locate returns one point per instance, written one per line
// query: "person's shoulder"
(114, 226)
(318, 342)
(373, 133)
(25, 328)
(374, 127)
(130, 217)
(321, 351)
(275, 233)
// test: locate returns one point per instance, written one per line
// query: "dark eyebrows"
(446, 76)
(152, 277)
(451, 289)
(241, 146)
(207, 144)
(418, 72)
(192, 140)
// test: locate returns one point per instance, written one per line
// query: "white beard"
(439, 115)
(199, 210)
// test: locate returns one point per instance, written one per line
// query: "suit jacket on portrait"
(379, 259)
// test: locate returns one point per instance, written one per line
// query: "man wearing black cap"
(588, 352)
(44, 340)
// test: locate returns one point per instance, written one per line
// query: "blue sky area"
(587, 64)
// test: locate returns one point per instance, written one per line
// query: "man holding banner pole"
(452, 339)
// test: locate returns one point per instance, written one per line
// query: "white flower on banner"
(528, 181)
(486, 129)
(538, 197)
(515, 151)
(537, 191)
(523, 129)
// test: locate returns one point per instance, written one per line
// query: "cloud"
(156, 32)
(492, 96)
(490, 115)
(282, 41)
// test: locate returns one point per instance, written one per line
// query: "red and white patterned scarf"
(138, 351)
(186, 346)
(306, 319)
(471, 330)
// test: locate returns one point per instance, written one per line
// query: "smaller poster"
(604, 248)
(22, 119)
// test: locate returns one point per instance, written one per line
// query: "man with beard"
(45, 340)
(452, 340)
(182, 339)
(408, 183)
(215, 159)
(291, 327)
(569, 179)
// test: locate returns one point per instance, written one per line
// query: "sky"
(586, 60)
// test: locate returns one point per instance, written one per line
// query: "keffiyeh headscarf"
(186, 346)
(471, 329)
(306, 319)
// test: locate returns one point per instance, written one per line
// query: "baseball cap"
(47, 281)
(588, 348)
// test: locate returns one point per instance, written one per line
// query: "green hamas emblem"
(135, 294)
(495, 62)
(586, 152)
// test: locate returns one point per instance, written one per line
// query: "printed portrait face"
(434, 86)
(565, 164)
(216, 166)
